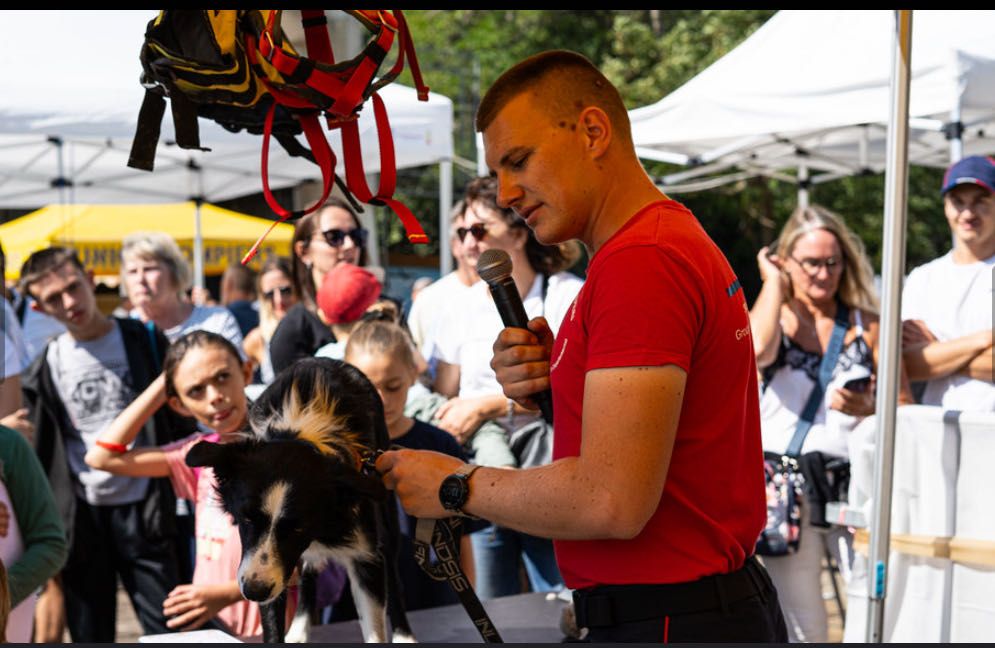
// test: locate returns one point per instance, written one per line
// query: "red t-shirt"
(661, 292)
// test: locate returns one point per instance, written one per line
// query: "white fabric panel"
(973, 605)
(923, 503)
(943, 482)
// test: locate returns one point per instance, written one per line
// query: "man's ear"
(596, 128)
(36, 307)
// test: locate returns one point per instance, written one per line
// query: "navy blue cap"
(976, 169)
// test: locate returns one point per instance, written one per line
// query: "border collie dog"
(296, 489)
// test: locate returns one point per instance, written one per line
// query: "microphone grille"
(494, 265)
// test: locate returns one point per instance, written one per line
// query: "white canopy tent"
(809, 90)
(70, 104)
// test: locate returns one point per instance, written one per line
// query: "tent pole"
(803, 186)
(198, 237)
(957, 136)
(893, 268)
(445, 207)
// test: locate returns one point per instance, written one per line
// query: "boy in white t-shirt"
(947, 303)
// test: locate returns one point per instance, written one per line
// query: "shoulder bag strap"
(825, 375)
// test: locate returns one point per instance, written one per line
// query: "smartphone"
(859, 385)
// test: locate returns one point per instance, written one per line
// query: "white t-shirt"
(953, 300)
(431, 308)
(215, 319)
(15, 355)
(94, 382)
(466, 337)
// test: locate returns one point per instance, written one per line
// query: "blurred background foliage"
(647, 54)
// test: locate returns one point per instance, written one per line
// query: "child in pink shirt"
(203, 377)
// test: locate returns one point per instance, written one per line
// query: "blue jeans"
(496, 554)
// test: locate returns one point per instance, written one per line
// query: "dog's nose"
(256, 590)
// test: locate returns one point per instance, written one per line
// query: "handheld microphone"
(494, 267)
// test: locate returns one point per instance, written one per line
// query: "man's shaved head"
(563, 81)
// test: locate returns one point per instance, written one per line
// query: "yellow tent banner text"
(105, 259)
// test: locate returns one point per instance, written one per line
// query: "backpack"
(237, 68)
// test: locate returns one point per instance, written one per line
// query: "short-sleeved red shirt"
(661, 292)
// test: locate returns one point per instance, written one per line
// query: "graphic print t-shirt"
(95, 385)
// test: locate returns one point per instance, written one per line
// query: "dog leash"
(443, 536)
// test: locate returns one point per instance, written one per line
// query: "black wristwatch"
(455, 488)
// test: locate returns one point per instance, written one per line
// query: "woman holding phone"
(817, 267)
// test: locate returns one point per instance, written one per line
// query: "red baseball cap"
(346, 292)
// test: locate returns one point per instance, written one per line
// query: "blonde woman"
(157, 277)
(277, 295)
(816, 266)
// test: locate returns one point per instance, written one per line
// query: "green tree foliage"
(647, 54)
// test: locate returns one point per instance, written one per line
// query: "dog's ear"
(210, 454)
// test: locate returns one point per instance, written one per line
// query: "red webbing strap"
(346, 95)
(356, 178)
(352, 95)
(407, 45)
(323, 156)
(319, 45)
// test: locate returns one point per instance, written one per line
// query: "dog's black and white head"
(295, 483)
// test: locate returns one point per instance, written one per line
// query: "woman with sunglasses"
(322, 240)
(464, 349)
(275, 287)
(817, 267)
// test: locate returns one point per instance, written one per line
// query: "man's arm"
(980, 368)
(927, 358)
(609, 491)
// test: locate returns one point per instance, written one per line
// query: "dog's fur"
(296, 490)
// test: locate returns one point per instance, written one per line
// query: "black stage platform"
(524, 618)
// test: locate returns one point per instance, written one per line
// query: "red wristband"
(118, 448)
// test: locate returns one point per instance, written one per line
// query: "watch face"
(453, 492)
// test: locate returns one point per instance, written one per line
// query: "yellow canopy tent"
(95, 231)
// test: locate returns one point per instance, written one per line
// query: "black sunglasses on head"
(336, 237)
(479, 231)
(285, 291)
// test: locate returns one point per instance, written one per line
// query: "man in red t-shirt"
(655, 495)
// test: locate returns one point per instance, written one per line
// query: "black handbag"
(784, 478)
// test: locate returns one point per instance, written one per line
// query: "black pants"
(110, 541)
(753, 618)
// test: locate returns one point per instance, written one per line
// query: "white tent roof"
(73, 75)
(819, 82)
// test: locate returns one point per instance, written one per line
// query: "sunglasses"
(285, 292)
(336, 237)
(479, 231)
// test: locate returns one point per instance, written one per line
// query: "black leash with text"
(443, 536)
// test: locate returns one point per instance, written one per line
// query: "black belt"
(609, 605)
